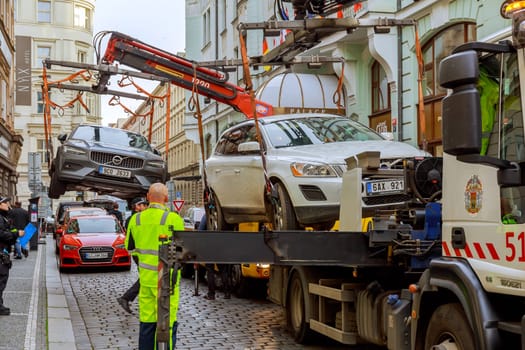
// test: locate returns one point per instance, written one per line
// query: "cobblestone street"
(99, 322)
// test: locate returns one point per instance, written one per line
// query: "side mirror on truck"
(461, 113)
(461, 109)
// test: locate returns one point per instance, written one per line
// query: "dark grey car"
(107, 161)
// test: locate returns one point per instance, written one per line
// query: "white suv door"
(237, 178)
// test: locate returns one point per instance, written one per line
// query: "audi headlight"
(157, 163)
(70, 247)
(74, 150)
(312, 169)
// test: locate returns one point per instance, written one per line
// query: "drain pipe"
(217, 57)
(399, 79)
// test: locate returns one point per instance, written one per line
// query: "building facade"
(380, 69)
(61, 31)
(10, 140)
(182, 155)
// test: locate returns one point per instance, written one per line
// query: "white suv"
(305, 158)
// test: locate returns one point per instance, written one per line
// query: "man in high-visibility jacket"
(142, 238)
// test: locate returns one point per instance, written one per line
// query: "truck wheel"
(215, 217)
(449, 328)
(295, 311)
(283, 213)
(239, 282)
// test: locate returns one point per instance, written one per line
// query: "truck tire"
(450, 328)
(239, 282)
(283, 212)
(295, 311)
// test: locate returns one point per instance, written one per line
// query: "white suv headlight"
(312, 169)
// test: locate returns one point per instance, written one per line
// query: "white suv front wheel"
(283, 211)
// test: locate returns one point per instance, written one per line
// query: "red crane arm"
(182, 72)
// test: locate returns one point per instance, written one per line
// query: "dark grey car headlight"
(157, 163)
(74, 150)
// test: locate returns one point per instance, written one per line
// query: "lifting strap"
(421, 103)
(193, 103)
(338, 93)
(249, 89)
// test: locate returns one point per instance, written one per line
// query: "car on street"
(73, 212)
(107, 161)
(61, 212)
(93, 241)
(305, 161)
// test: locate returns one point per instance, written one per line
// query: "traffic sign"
(178, 203)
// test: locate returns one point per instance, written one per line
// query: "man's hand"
(21, 233)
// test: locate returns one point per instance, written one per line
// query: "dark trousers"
(147, 335)
(132, 292)
(4, 276)
(225, 273)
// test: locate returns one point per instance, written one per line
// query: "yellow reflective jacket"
(143, 238)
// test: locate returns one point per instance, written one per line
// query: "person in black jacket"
(115, 212)
(137, 205)
(20, 218)
(7, 239)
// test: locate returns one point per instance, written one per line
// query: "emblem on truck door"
(473, 195)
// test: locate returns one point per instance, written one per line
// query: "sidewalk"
(40, 318)
(60, 327)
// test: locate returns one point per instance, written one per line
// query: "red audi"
(93, 241)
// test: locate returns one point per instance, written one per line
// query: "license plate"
(96, 255)
(114, 172)
(384, 186)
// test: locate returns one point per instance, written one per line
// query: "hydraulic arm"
(185, 73)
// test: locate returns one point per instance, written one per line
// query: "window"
(381, 118)
(41, 149)
(44, 11)
(42, 52)
(81, 56)
(206, 35)
(222, 14)
(82, 17)
(380, 89)
(229, 142)
(437, 48)
(40, 102)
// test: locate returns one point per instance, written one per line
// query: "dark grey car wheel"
(56, 188)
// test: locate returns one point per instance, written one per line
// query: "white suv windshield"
(111, 136)
(317, 130)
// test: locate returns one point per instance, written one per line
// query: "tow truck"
(445, 272)
(449, 276)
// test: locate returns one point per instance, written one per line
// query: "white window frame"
(44, 14)
(82, 17)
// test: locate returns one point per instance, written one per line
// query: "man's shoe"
(209, 297)
(5, 311)
(227, 296)
(18, 257)
(25, 252)
(125, 304)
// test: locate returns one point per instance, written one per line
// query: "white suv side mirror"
(251, 146)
